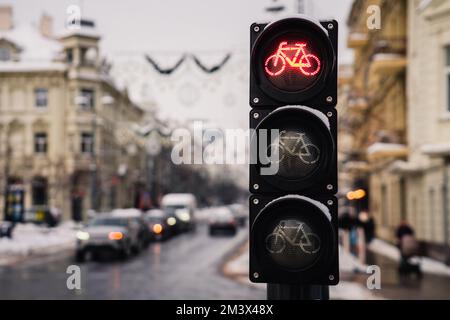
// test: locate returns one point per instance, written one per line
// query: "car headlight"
(171, 221)
(83, 235)
(184, 216)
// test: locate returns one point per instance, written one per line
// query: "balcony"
(356, 167)
(389, 56)
(381, 150)
(358, 103)
(357, 40)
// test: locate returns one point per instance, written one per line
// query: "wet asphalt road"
(185, 267)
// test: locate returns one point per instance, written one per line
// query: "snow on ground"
(237, 268)
(428, 265)
(29, 239)
(349, 263)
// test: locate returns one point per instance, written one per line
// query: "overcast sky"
(175, 25)
(166, 29)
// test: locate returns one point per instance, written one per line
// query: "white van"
(182, 206)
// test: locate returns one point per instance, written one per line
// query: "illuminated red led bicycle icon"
(308, 64)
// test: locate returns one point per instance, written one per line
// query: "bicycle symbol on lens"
(293, 233)
(296, 57)
(294, 144)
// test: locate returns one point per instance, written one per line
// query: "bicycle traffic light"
(293, 180)
(293, 61)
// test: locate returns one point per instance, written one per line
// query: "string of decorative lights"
(169, 71)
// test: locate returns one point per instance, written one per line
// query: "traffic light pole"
(276, 291)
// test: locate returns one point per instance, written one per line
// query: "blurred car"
(158, 224)
(222, 220)
(240, 213)
(6, 229)
(182, 206)
(136, 215)
(106, 233)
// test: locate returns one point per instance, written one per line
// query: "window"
(384, 205)
(69, 56)
(447, 76)
(5, 54)
(87, 99)
(39, 191)
(40, 142)
(87, 142)
(83, 55)
(40, 97)
(432, 213)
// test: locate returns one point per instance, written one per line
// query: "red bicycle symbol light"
(296, 56)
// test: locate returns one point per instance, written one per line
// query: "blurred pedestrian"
(348, 223)
(409, 247)
(367, 223)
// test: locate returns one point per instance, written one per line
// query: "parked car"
(107, 233)
(222, 220)
(136, 215)
(182, 206)
(6, 229)
(240, 213)
(158, 224)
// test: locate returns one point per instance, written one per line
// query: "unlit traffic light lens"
(305, 148)
(293, 243)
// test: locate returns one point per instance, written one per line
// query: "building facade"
(377, 108)
(427, 170)
(65, 137)
(399, 112)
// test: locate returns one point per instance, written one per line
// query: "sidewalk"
(435, 283)
(30, 240)
(237, 269)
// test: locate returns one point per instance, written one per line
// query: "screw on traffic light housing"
(293, 208)
(293, 61)
(294, 240)
(306, 146)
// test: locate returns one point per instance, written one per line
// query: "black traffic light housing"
(323, 92)
(321, 213)
(293, 209)
(323, 123)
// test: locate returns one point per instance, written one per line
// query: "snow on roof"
(436, 149)
(11, 66)
(381, 147)
(356, 165)
(387, 56)
(178, 198)
(35, 47)
(126, 213)
(401, 166)
(83, 31)
(358, 36)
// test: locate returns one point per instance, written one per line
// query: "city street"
(285, 154)
(185, 267)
